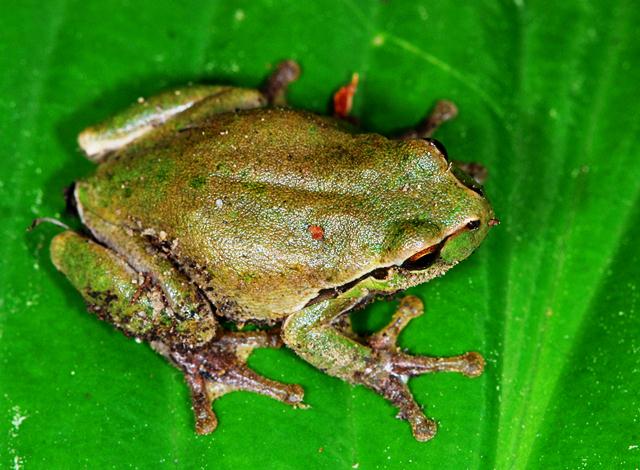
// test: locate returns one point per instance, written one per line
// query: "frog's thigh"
(148, 114)
(378, 364)
(183, 297)
(117, 293)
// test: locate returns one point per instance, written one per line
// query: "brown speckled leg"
(442, 112)
(477, 171)
(220, 367)
(390, 369)
(275, 88)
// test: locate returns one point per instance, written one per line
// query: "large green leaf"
(549, 103)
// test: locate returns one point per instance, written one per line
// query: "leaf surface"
(548, 101)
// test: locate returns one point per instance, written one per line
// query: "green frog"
(215, 203)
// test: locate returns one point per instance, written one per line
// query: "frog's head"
(447, 219)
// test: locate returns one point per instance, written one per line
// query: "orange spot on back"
(317, 232)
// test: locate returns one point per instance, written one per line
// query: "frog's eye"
(427, 256)
(423, 259)
(473, 225)
(438, 145)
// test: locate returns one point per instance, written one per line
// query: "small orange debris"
(343, 98)
(317, 232)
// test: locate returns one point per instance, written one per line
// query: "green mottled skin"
(239, 191)
(115, 293)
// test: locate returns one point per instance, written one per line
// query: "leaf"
(548, 101)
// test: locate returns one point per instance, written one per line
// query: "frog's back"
(264, 208)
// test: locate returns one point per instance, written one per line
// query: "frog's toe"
(276, 86)
(396, 391)
(470, 364)
(410, 307)
(235, 376)
(220, 367)
(389, 369)
(206, 421)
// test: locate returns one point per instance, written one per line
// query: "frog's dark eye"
(423, 259)
(439, 145)
(473, 225)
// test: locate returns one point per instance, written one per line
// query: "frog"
(214, 207)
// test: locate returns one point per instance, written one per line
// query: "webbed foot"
(317, 335)
(389, 369)
(220, 367)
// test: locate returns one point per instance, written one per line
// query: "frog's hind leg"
(169, 314)
(180, 109)
(220, 367)
(172, 109)
(376, 363)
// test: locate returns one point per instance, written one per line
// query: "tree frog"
(218, 203)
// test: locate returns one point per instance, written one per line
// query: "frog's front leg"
(275, 88)
(213, 361)
(378, 363)
(442, 111)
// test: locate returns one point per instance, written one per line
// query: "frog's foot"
(316, 334)
(275, 88)
(442, 111)
(389, 369)
(220, 367)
